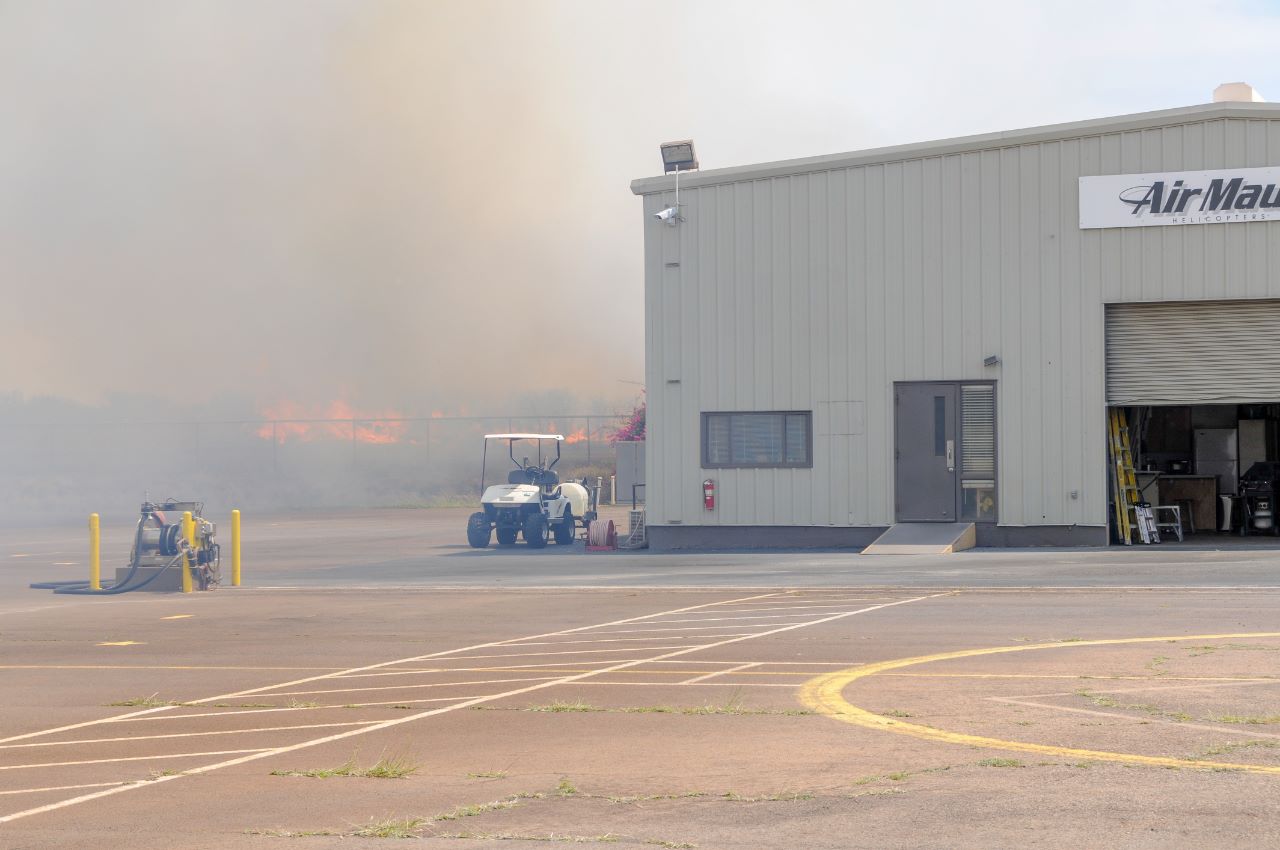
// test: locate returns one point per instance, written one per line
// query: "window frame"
(808, 439)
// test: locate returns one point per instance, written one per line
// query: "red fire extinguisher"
(709, 494)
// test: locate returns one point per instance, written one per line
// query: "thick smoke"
(216, 209)
(388, 203)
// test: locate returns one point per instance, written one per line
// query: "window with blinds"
(978, 452)
(781, 439)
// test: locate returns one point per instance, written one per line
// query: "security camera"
(670, 214)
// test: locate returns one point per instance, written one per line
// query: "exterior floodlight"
(678, 156)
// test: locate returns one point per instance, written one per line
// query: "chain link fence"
(50, 469)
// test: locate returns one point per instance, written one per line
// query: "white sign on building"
(1180, 197)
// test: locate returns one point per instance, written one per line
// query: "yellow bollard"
(235, 548)
(189, 534)
(95, 553)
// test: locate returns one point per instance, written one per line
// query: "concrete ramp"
(924, 538)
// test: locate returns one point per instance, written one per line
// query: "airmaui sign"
(1182, 197)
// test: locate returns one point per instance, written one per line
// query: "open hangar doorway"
(1195, 389)
(1218, 465)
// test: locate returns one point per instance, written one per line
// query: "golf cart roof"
(524, 437)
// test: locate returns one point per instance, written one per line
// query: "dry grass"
(392, 767)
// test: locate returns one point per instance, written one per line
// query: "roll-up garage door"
(1193, 352)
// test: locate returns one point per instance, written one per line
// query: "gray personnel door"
(926, 485)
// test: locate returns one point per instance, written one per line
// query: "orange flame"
(338, 420)
(576, 437)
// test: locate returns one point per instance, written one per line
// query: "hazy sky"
(414, 205)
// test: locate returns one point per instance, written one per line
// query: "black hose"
(81, 588)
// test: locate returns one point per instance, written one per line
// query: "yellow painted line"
(122, 643)
(177, 616)
(825, 695)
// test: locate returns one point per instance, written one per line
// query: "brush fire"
(289, 420)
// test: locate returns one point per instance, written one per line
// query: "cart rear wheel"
(565, 529)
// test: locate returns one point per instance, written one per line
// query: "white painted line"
(237, 713)
(685, 629)
(755, 617)
(181, 735)
(577, 651)
(443, 654)
(611, 640)
(480, 669)
(787, 607)
(1143, 719)
(61, 788)
(1198, 686)
(706, 676)
(106, 792)
(739, 685)
(128, 758)
(151, 667)
(820, 601)
(408, 687)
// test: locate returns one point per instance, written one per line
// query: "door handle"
(951, 455)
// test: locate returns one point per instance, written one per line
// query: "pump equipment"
(160, 542)
(160, 538)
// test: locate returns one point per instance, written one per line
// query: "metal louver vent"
(1193, 352)
(978, 431)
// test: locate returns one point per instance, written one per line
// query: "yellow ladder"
(1124, 482)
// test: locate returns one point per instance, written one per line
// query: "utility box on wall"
(630, 470)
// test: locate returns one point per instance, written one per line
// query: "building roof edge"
(960, 144)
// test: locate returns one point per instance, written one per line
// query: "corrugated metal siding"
(1193, 352)
(818, 291)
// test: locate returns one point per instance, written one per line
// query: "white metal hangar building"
(940, 332)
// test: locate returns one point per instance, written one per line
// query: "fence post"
(95, 553)
(235, 548)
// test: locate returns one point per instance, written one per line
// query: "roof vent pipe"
(1237, 93)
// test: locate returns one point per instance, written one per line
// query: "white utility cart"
(533, 503)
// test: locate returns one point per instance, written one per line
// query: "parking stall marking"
(380, 665)
(127, 758)
(131, 738)
(60, 788)
(715, 673)
(664, 653)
